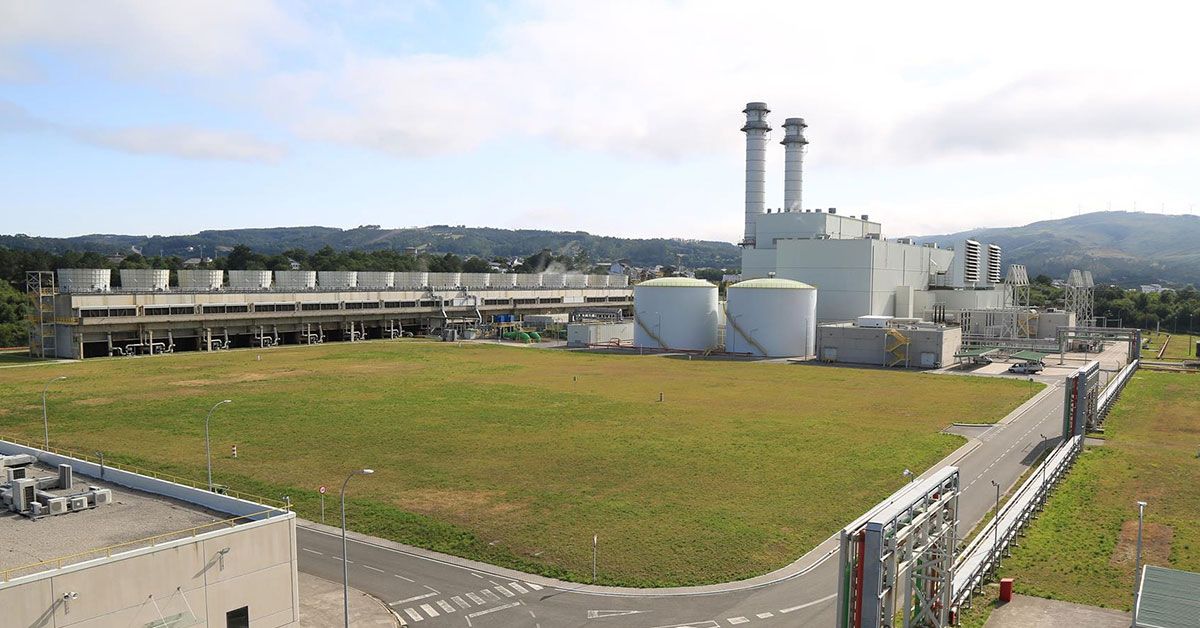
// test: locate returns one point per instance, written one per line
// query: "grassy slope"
(1153, 434)
(1181, 347)
(517, 456)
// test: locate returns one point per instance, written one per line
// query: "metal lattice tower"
(1018, 285)
(1074, 295)
(1089, 299)
(39, 285)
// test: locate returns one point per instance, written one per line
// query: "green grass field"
(517, 456)
(16, 357)
(1181, 347)
(1081, 548)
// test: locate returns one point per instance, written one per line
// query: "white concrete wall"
(258, 571)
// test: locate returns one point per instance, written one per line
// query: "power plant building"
(856, 270)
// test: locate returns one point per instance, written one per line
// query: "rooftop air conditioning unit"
(36, 509)
(58, 505)
(103, 496)
(79, 502)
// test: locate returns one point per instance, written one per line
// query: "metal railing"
(981, 557)
(278, 504)
(108, 551)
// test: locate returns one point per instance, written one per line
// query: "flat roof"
(1169, 598)
(976, 352)
(132, 516)
(1030, 356)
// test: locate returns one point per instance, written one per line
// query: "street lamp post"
(996, 535)
(45, 418)
(910, 475)
(1137, 570)
(207, 443)
(345, 559)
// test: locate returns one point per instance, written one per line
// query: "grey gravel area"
(133, 515)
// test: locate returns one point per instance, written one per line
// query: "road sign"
(322, 489)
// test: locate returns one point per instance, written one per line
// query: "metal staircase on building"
(39, 285)
(896, 345)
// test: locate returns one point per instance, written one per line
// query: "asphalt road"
(429, 591)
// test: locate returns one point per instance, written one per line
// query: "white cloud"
(879, 84)
(138, 36)
(186, 143)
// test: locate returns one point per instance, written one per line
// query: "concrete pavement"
(437, 590)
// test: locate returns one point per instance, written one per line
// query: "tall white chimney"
(756, 130)
(793, 163)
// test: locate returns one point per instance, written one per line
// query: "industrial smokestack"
(756, 129)
(793, 163)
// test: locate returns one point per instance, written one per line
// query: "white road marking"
(492, 610)
(429, 610)
(460, 602)
(533, 586)
(518, 588)
(413, 599)
(435, 591)
(475, 574)
(603, 614)
(506, 592)
(476, 599)
(402, 577)
(764, 615)
(489, 596)
(704, 624)
(738, 620)
(808, 604)
(445, 606)
(312, 551)
(414, 614)
(373, 568)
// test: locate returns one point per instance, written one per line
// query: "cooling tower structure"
(771, 318)
(145, 279)
(675, 313)
(204, 280)
(249, 280)
(376, 279)
(295, 279)
(84, 279)
(337, 279)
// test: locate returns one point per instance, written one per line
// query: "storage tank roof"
(676, 282)
(774, 283)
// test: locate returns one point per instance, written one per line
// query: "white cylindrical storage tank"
(84, 279)
(771, 317)
(249, 279)
(337, 279)
(295, 279)
(575, 280)
(528, 280)
(376, 279)
(411, 279)
(675, 313)
(552, 280)
(194, 279)
(443, 280)
(474, 280)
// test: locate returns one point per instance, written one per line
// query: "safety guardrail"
(981, 557)
(150, 473)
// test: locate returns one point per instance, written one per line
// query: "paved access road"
(427, 589)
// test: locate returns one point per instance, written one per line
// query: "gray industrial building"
(90, 319)
(140, 552)
(882, 342)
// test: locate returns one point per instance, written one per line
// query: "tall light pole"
(1137, 570)
(996, 536)
(345, 559)
(207, 447)
(46, 419)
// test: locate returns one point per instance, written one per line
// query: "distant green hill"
(463, 241)
(1126, 248)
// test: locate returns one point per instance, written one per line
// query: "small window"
(238, 618)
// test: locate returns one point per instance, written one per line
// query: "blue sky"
(619, 118)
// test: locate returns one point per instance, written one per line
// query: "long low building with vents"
(79, 314)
